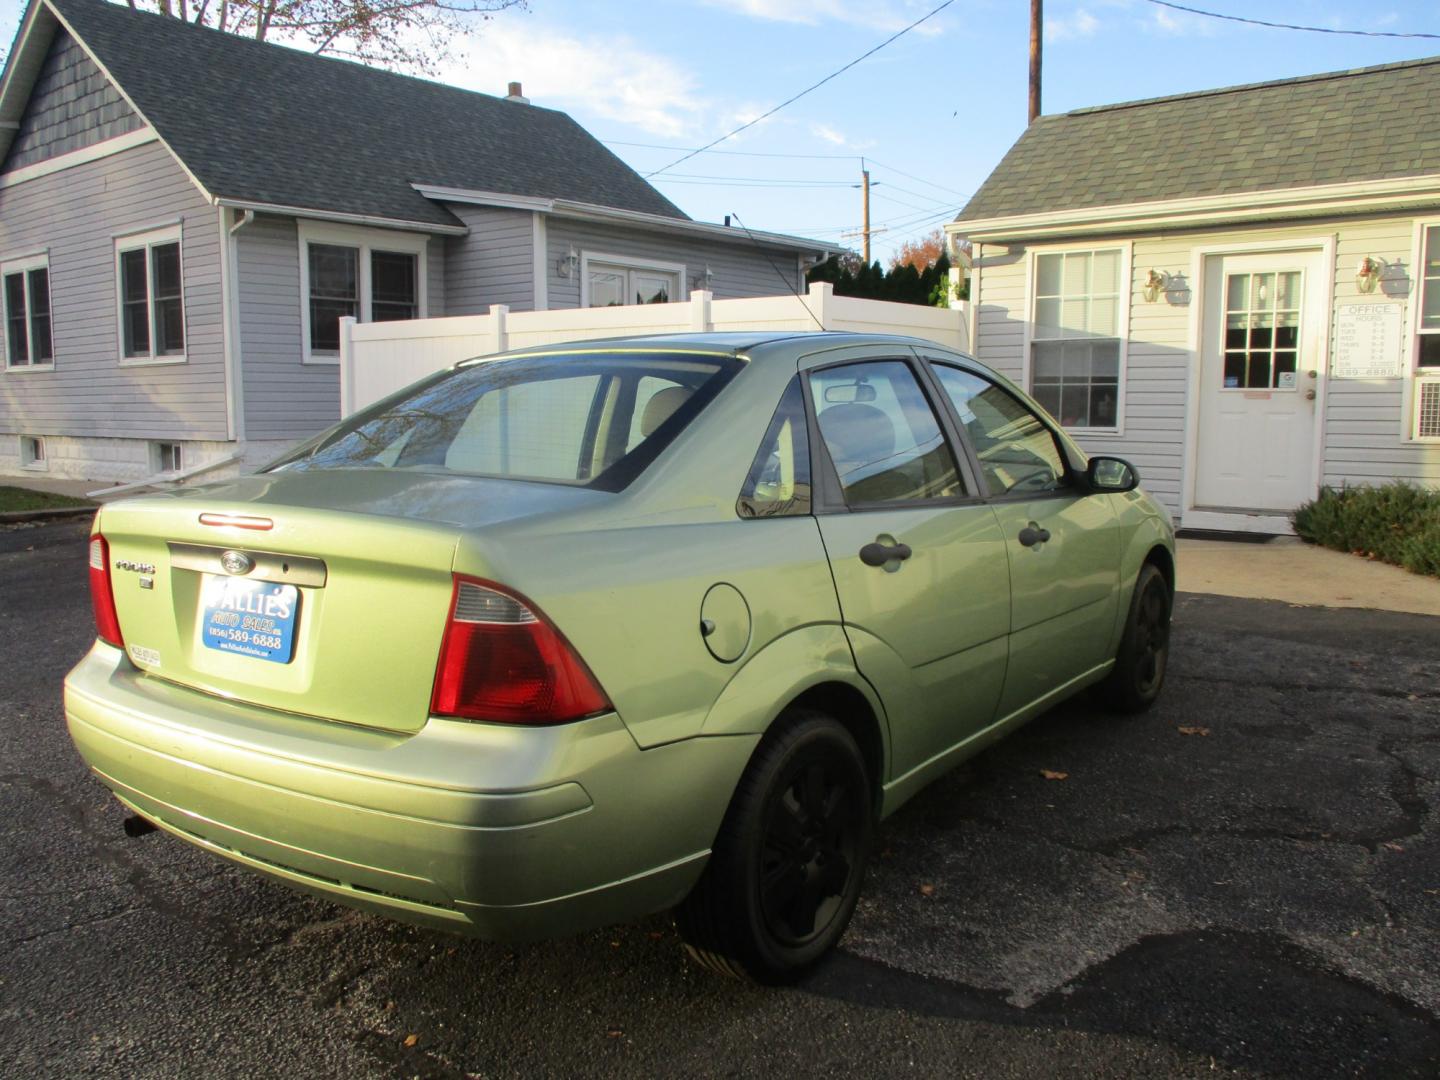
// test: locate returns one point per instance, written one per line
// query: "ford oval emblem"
(237, 562)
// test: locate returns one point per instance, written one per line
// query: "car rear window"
(595, 420)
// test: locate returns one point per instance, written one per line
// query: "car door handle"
(877, 554)
(1032, 534)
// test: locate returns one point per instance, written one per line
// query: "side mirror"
(1111, 475)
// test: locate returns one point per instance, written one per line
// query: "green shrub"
(1398, 523)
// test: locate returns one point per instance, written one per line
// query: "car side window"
(1017, 452)
(779, 480)
(882, 434)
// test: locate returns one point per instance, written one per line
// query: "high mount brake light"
(502, 660)
(102, 596)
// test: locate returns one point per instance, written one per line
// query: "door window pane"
(1262, 331)
(1017, 452)
(135, 303)
(882, 434)
(607, 287)
(15, 337)
(393, 290)
(334, 293)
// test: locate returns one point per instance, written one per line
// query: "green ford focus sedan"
(575, 634)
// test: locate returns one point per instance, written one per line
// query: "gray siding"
(286, 398)
(493, 264)
(75, 215)
(740, 269)
(1364, 423)
(72, 106)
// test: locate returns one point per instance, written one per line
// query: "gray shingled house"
(1238, 289)
(185, 216)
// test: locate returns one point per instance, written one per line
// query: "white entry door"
(1260, 363)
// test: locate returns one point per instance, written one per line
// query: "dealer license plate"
(252, 618)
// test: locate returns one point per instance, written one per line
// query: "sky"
(929, 114)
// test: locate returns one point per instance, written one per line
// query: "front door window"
(1262, 330)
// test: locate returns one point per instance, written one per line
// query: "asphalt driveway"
(1246, 881)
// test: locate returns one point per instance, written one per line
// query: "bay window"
(1075, 336)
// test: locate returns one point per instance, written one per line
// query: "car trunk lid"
(320, 593)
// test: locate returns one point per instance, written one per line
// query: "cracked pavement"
(1262, 899)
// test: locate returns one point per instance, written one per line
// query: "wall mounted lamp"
(1155, 283)
(1367, 274)
(569, 263)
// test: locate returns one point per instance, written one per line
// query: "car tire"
(1139, 672)
(786, 868)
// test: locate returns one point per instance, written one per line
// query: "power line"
(733, 153)
(790, 101)
(920, 180)
(1290, 26)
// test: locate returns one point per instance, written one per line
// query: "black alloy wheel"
(813, 828)
(785, 871)
(1139, 672)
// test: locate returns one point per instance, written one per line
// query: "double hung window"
(1075, 336)
(26, 298)
(358, 274)
(151, 294)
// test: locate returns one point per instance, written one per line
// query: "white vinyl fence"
(376, 359)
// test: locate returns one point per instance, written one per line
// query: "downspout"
(230, 318)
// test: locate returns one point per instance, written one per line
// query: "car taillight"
(102, 597)
(501, 660)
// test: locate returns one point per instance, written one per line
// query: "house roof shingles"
(259, 123)
(1368, 124)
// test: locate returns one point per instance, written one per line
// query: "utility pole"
(865, 225)
(1037, 28)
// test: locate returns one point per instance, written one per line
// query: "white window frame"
(1410, 394)
(157, 451)
(149, 240)
(364, 241)
(23, 264)
(627, 263)
(1125, 300)
(28, 459)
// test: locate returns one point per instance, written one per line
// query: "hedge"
(1398, 523)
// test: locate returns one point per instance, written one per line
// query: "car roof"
(729, 342)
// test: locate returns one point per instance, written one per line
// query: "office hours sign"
(1367, 342)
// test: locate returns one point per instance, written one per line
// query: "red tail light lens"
(502, 660)
(102, 597)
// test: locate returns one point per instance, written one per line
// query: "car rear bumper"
(496, 830)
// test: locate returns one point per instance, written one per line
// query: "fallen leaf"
(614, 1033)
(1412, 697)
(656, 935)
(1390, 845)
(927, 890)
(1051, 774)
(411, 1040)
(1194, 730)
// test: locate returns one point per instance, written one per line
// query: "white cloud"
(874, 14)
(610, 76)
(1080, 24)
(829, 134)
